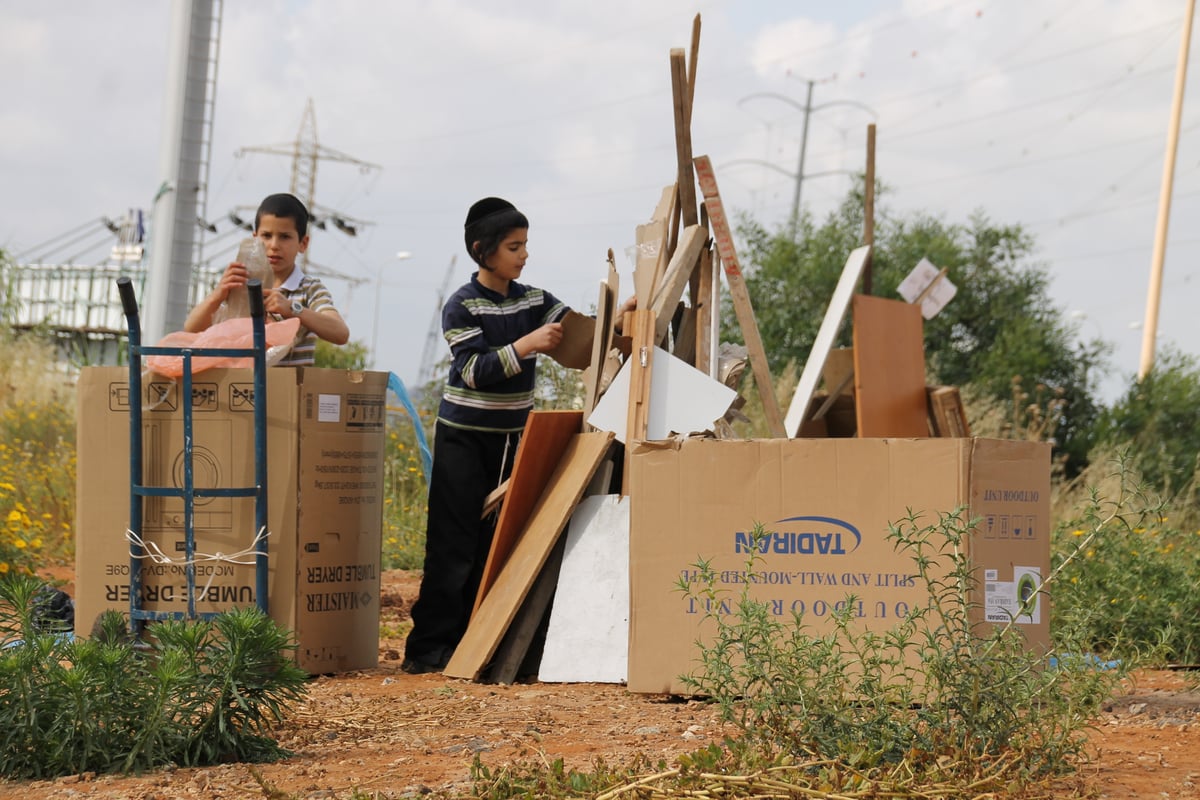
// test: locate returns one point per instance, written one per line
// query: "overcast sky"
(1051, 114)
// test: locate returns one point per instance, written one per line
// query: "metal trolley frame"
(138, 491)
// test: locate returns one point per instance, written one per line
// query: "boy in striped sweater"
(495, 326)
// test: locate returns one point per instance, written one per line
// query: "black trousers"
(467, 465)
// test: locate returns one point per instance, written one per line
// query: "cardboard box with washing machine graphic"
(325, 465)
(827, 505)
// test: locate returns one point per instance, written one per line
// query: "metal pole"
(800, 167)
(1154, 294)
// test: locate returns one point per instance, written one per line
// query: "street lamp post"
(401, 256)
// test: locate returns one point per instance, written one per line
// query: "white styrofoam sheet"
(587, 639)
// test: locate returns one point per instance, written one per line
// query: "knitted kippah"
(485, 208)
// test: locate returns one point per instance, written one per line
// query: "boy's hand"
(235, 276)
(544, 338)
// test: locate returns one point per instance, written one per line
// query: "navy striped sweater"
(489, 388)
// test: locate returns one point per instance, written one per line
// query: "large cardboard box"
(827, 504)
(325, 457)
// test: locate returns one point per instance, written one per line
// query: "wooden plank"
(683, 263)
(546, 436)
(839, 304)
(494, 498)
(514, 649)
(704, 312)
(869, 206)
(683, 139)
(490, 622)
(723, 236)
(667, 213)
(947, 415)
(640, 326)
(889, 368)
(653, 248)
(606, 307)
(640, 364)
(838, 365)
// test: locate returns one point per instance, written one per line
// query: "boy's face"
(509, 258)
(282, 243)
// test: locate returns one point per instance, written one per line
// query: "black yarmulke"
(485, 208)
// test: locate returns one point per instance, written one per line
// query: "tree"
(1156, 420)
(1001, 324)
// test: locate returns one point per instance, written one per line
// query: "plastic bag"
(253, 257)
(230, 333)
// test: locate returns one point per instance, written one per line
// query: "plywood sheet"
(546, 436)
(547, 520)
(889, 368)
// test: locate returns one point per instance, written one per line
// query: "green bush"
(1156, 421)
(199, 693)
(1129, 572)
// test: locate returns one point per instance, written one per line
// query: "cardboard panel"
(828, 504)
(889, 368)
(546, 436)
(491, 620)
(575, 349)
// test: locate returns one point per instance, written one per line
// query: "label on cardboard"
(1017, 600)
(329, 408)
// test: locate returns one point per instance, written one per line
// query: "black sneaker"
(415, 666)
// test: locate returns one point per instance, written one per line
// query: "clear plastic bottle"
(253, 257)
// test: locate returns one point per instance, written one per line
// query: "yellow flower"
(3, 567)
(20, 544)
(1077, 533)
(36, 542)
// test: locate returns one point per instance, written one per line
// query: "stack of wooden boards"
(569, 463)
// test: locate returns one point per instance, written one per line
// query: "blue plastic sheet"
(396, 386)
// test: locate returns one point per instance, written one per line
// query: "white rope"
(156, 555)
(153, 552)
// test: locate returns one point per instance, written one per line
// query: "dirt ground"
(394, 735)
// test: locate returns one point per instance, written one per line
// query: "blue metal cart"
(188, 492)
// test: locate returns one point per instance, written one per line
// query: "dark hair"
(284, 206)
(488, 222)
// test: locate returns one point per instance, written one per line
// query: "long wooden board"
(889, 368)
(723, 237)
(490, 622)
(683, 264)
(606, 308)
(546, 436)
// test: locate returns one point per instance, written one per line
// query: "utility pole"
(808, 109)
(1154, 294)
(305, 151)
